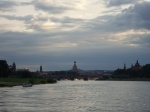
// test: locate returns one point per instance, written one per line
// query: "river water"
(78, 96)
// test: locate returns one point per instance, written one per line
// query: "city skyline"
(75, 67)
(98, 34)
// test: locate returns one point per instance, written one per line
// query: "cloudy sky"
(98, 34)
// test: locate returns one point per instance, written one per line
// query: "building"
(41, 70)
(124, 66)
(75, 68)
(137, 66)
(13, 67)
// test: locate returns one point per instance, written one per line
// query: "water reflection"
(77, 96)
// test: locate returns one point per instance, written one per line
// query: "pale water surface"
(78, 96)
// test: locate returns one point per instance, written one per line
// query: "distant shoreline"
(10, 82)
(126, 79)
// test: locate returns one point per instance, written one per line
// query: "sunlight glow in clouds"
(53, 33)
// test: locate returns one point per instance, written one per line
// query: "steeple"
(131, 65)
(137, 66)
(137, 63)
(124, 66)
(14, 67)
(41, 69)
(74, 68)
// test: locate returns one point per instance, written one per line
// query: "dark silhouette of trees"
(146, 71)
(24, 74)
(120, 72)
(4, 68)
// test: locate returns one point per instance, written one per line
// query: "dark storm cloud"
(23, 39)
(111, 3)
(31, 43)
(50, 8)
(88, 44)
(135, 17)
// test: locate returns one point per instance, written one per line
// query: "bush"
(43, 82)
(51, 81)
(32, 81)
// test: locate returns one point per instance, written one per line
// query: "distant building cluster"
(135, 70)
(134, 67)
(137, 66)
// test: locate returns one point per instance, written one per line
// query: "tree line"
(9, 71)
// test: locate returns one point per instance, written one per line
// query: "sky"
(97, 34)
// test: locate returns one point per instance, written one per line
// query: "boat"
(27, 85)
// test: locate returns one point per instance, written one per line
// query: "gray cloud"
(111, 3)
(27, 46)
(35, 22)
(20, 18)
(24, 50)
(39, 18)
(139, 40)
(50, 8)
(92, 49)
(134, 17)
(139, 15)
(67, 20)
(6, 5)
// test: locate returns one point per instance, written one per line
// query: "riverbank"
(10, 82)
(125, 79)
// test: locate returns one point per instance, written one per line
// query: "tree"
(146, 71)
(4, 68)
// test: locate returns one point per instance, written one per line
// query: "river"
(78, 96)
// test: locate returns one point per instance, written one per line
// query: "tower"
(41, 69)
(124, 66)
(74, 68)
(137, 63)
(137, 66)
(13, 67)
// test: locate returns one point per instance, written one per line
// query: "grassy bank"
(135, 79)
(127, 79)
(9, 82)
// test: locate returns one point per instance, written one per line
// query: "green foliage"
(4, 68)
(119, 72)
(32, 81)
(51, 80)
(146, 71)
(43, 81)
(19, 81)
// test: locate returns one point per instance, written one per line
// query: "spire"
(124, 66)
(14, 67)
(74, 68)
(131, 65)
(137, 63)
(41, 69)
